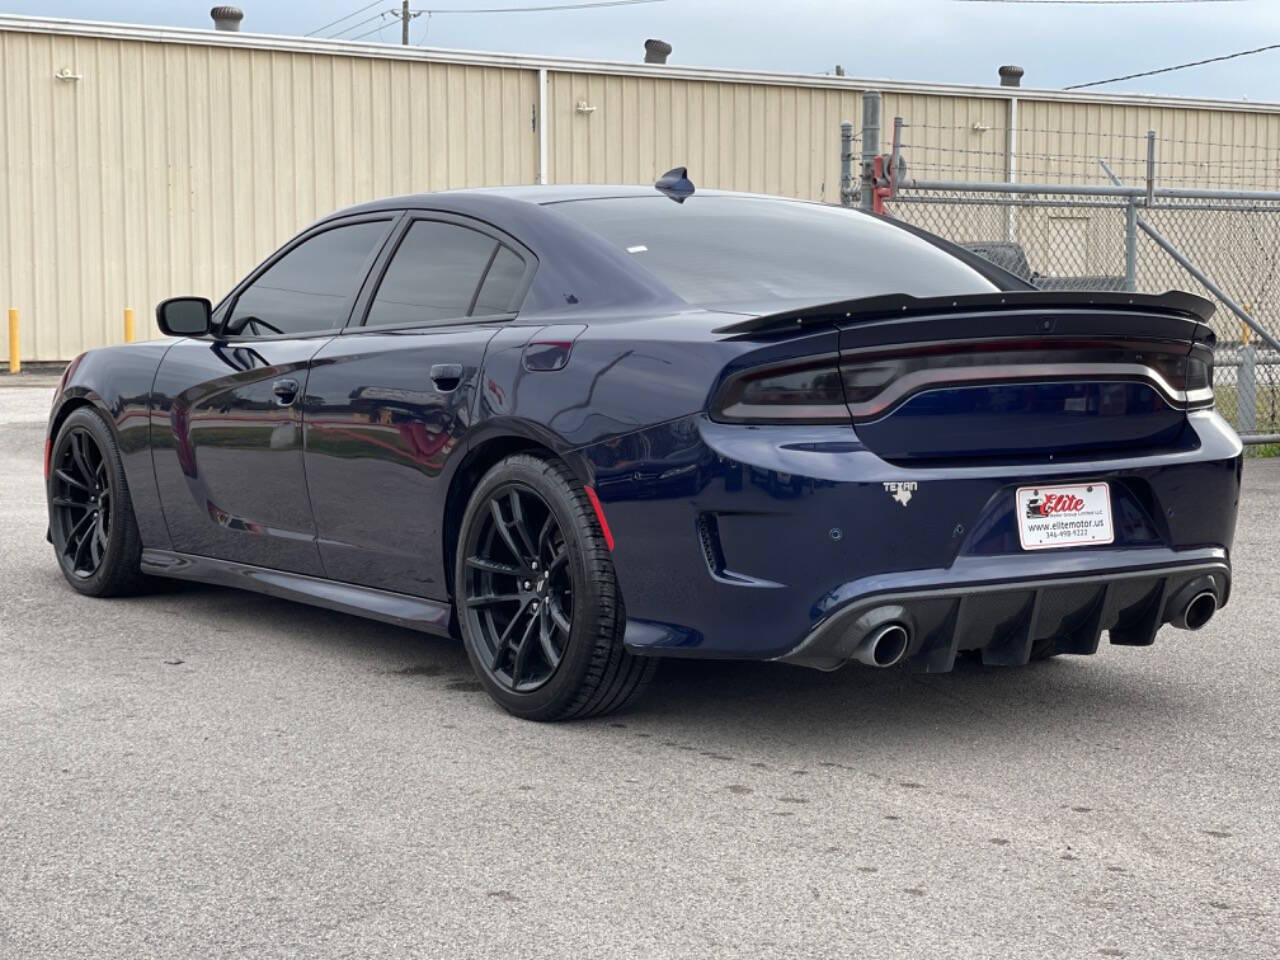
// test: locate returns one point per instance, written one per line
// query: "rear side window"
(721, 250)
(501, 284)
(310, 289)
(436, 274)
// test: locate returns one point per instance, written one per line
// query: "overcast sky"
(930, 40)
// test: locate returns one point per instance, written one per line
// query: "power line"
(1180, 66)
(378, 29)
(340, 19)
(382, 15)
(405, 14)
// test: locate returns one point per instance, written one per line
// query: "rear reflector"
(604, 524)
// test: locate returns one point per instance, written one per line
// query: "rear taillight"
(864, 386)
(1199, 379)
(808, 392)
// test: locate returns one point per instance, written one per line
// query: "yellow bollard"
(15, 351)
(128, 324)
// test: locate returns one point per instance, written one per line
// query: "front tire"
(537, 597)
(91, 517)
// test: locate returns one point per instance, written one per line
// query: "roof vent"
(1011, 75)
(227, 18)
(656, 51)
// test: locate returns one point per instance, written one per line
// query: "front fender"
(117, 382)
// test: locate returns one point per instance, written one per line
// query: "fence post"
(846, 164)
(15, 347)
(870, 147)
(1247, 390)
(1131, 245)
(1151, 167)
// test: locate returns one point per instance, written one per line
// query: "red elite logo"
(1060, 503)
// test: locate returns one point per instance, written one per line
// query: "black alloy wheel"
(81, 500)
(91, 521)
(537, 596)
(518, 589)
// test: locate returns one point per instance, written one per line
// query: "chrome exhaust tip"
(1198, 611)
(884, 646)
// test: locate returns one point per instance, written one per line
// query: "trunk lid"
(1015, 374)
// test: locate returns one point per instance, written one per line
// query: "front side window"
(436, 276)
(310, 289)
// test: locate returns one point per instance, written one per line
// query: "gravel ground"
(202, 772)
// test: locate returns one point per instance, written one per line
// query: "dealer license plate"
(1064, 516)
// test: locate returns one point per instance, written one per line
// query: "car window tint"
(433, 275)
(311, 287)
(501, 283)
(721, 250)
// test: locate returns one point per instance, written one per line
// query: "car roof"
(539, 194)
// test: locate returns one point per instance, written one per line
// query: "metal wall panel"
(182, 157)
(173, 168)
(951, 138)
(1195, 147)
(759, 137)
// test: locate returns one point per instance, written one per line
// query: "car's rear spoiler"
(901, 305)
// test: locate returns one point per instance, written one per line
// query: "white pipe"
(542, 125)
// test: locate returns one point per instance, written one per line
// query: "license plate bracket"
(1064, 515)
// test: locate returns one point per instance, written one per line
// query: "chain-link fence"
(1180, 212)
(1223, 247)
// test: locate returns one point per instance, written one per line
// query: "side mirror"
(184, 316)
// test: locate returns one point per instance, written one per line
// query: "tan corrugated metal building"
(142, 162)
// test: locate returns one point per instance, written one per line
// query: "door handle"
(446, 376)
(286, 391)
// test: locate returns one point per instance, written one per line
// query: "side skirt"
(415, 613)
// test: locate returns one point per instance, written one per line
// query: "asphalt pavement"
(206, 773)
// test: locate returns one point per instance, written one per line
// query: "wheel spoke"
(85, 535)
(557, 615)
(500, 524)
(548, 529)
(558, 561)
(73, 535)
(77, 454)
(95, 544)
(493, 566)
(68, 479)
(504, 641)
(544, 637)
(490, 600)
(522, 652)
(522, 527)
(72, 504)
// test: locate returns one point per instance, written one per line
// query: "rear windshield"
(721, 250)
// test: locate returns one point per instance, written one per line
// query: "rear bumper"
(1005, 620)
(767, 543)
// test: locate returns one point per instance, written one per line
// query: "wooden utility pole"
(404, 23)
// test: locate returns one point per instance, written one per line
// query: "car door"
(389, 401)
(227, 421)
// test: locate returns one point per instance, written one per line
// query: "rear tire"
(91, 521)
(537, 597)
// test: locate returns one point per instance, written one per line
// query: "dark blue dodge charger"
(587, 427)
